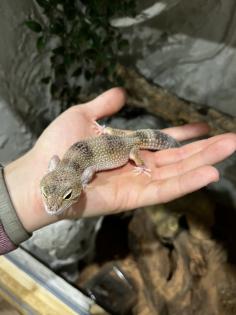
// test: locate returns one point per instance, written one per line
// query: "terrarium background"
(187, 61)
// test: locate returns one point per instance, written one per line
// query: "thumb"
(106, 104)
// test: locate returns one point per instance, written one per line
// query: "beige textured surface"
(22, 291)
(7, 309)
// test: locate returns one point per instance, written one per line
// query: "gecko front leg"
(102, 129)
(140, 168)
(87, 175)
(99, 129)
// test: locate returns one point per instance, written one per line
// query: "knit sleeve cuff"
(8, 216)
(6, 244)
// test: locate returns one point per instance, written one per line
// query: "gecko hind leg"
(140, 168)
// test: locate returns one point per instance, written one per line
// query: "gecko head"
(60, 189)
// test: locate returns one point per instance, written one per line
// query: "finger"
(106, 104)
(170, 156)
(188, 131)
(175, 187)
(213, 154)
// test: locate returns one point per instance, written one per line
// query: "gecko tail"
(156, 140)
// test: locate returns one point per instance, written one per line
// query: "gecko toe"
(142, 170)
(99, 129)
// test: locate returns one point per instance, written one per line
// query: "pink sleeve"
(6, 244)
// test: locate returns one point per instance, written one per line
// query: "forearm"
(22, 179)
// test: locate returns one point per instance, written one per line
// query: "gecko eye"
(68, 195)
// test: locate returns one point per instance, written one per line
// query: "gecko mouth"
(56, 211)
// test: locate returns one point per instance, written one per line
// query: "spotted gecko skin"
(66, 179)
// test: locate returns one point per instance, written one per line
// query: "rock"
(63, 244)
(184, 50)
(21, 67)
(3, 141)
(12, 142)
(135, 118)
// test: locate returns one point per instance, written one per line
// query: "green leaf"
(58, 27)
(33, 26)
(41, 42)
(45, 80)
(88, 45)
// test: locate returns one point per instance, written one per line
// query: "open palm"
(175, 172)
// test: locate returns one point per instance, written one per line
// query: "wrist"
(22, 178)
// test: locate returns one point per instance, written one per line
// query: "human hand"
(175, 172)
